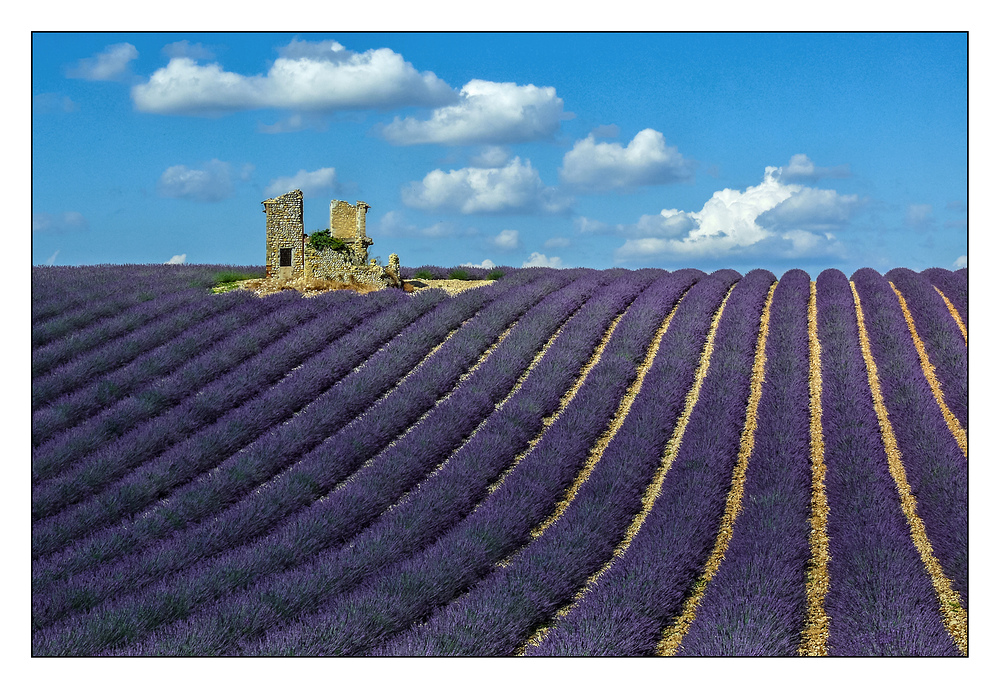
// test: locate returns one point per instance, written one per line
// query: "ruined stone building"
(290, 255)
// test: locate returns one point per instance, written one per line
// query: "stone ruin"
(289, 254)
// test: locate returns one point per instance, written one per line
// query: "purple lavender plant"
(624, 611)
(406, 592)
(426, 512)
(755, 603)
(499, 613)
(880, 600)
(55, 455)
(100, 393)
(942, 339)
(936, 469)
(314, 473)
(955, 286)
(203, 430)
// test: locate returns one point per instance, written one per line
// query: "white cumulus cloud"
(108, 65)
(213, 183)
(646, 160)
(176, 260)
(485, 264)
(514, 188)
(961, 262)
(312, 184)
(487, 112)
(537, 260)
(788, 219)
(321, 76)
(507, 240)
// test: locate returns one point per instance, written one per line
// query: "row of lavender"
(315, 533)
(379, 372)
(262, 391)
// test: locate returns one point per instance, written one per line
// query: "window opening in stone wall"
(285, 258)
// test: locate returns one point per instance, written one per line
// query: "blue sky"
(741, 150)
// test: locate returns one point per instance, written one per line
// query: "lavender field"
(561, 462)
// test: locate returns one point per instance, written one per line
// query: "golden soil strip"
(925, 363)
(954, 616)
(653, 489)
(670, 642)
(956, 315)
(597, 451)
(817, 626)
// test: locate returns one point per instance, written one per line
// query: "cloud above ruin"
(604, 166)
(513, 188)
(307, 76)
(313, 184)
(487, 112)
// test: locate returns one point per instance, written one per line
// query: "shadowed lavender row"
(498, 614)
(355, 393)
(92, 477)
(315, 473)
(427, 511)
(69, 447)
(65, 299)
(243, 309)
(85, 368)
(942, 339)
(755, 603)
(936, 469)
(955, 286)
(202, 430)
(47, 358)
(880, 600)
(625, 610)
(60, 291)
(407, 591)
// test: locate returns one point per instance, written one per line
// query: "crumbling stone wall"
(333, 265)
(285, 231)
(347, 223)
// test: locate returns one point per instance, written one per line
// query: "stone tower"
(285, 236)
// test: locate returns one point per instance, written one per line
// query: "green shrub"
(494, 275)
(458, 274)
(423, 275)
(228, 276)
(321, 240)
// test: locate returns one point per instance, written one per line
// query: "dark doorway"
(286, 258)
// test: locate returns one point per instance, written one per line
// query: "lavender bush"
(880, 600)
(625, 610)
(955, 286)
(936, 469)
(317, 470)
(429, 510)
(409, 590)
(941, 337)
